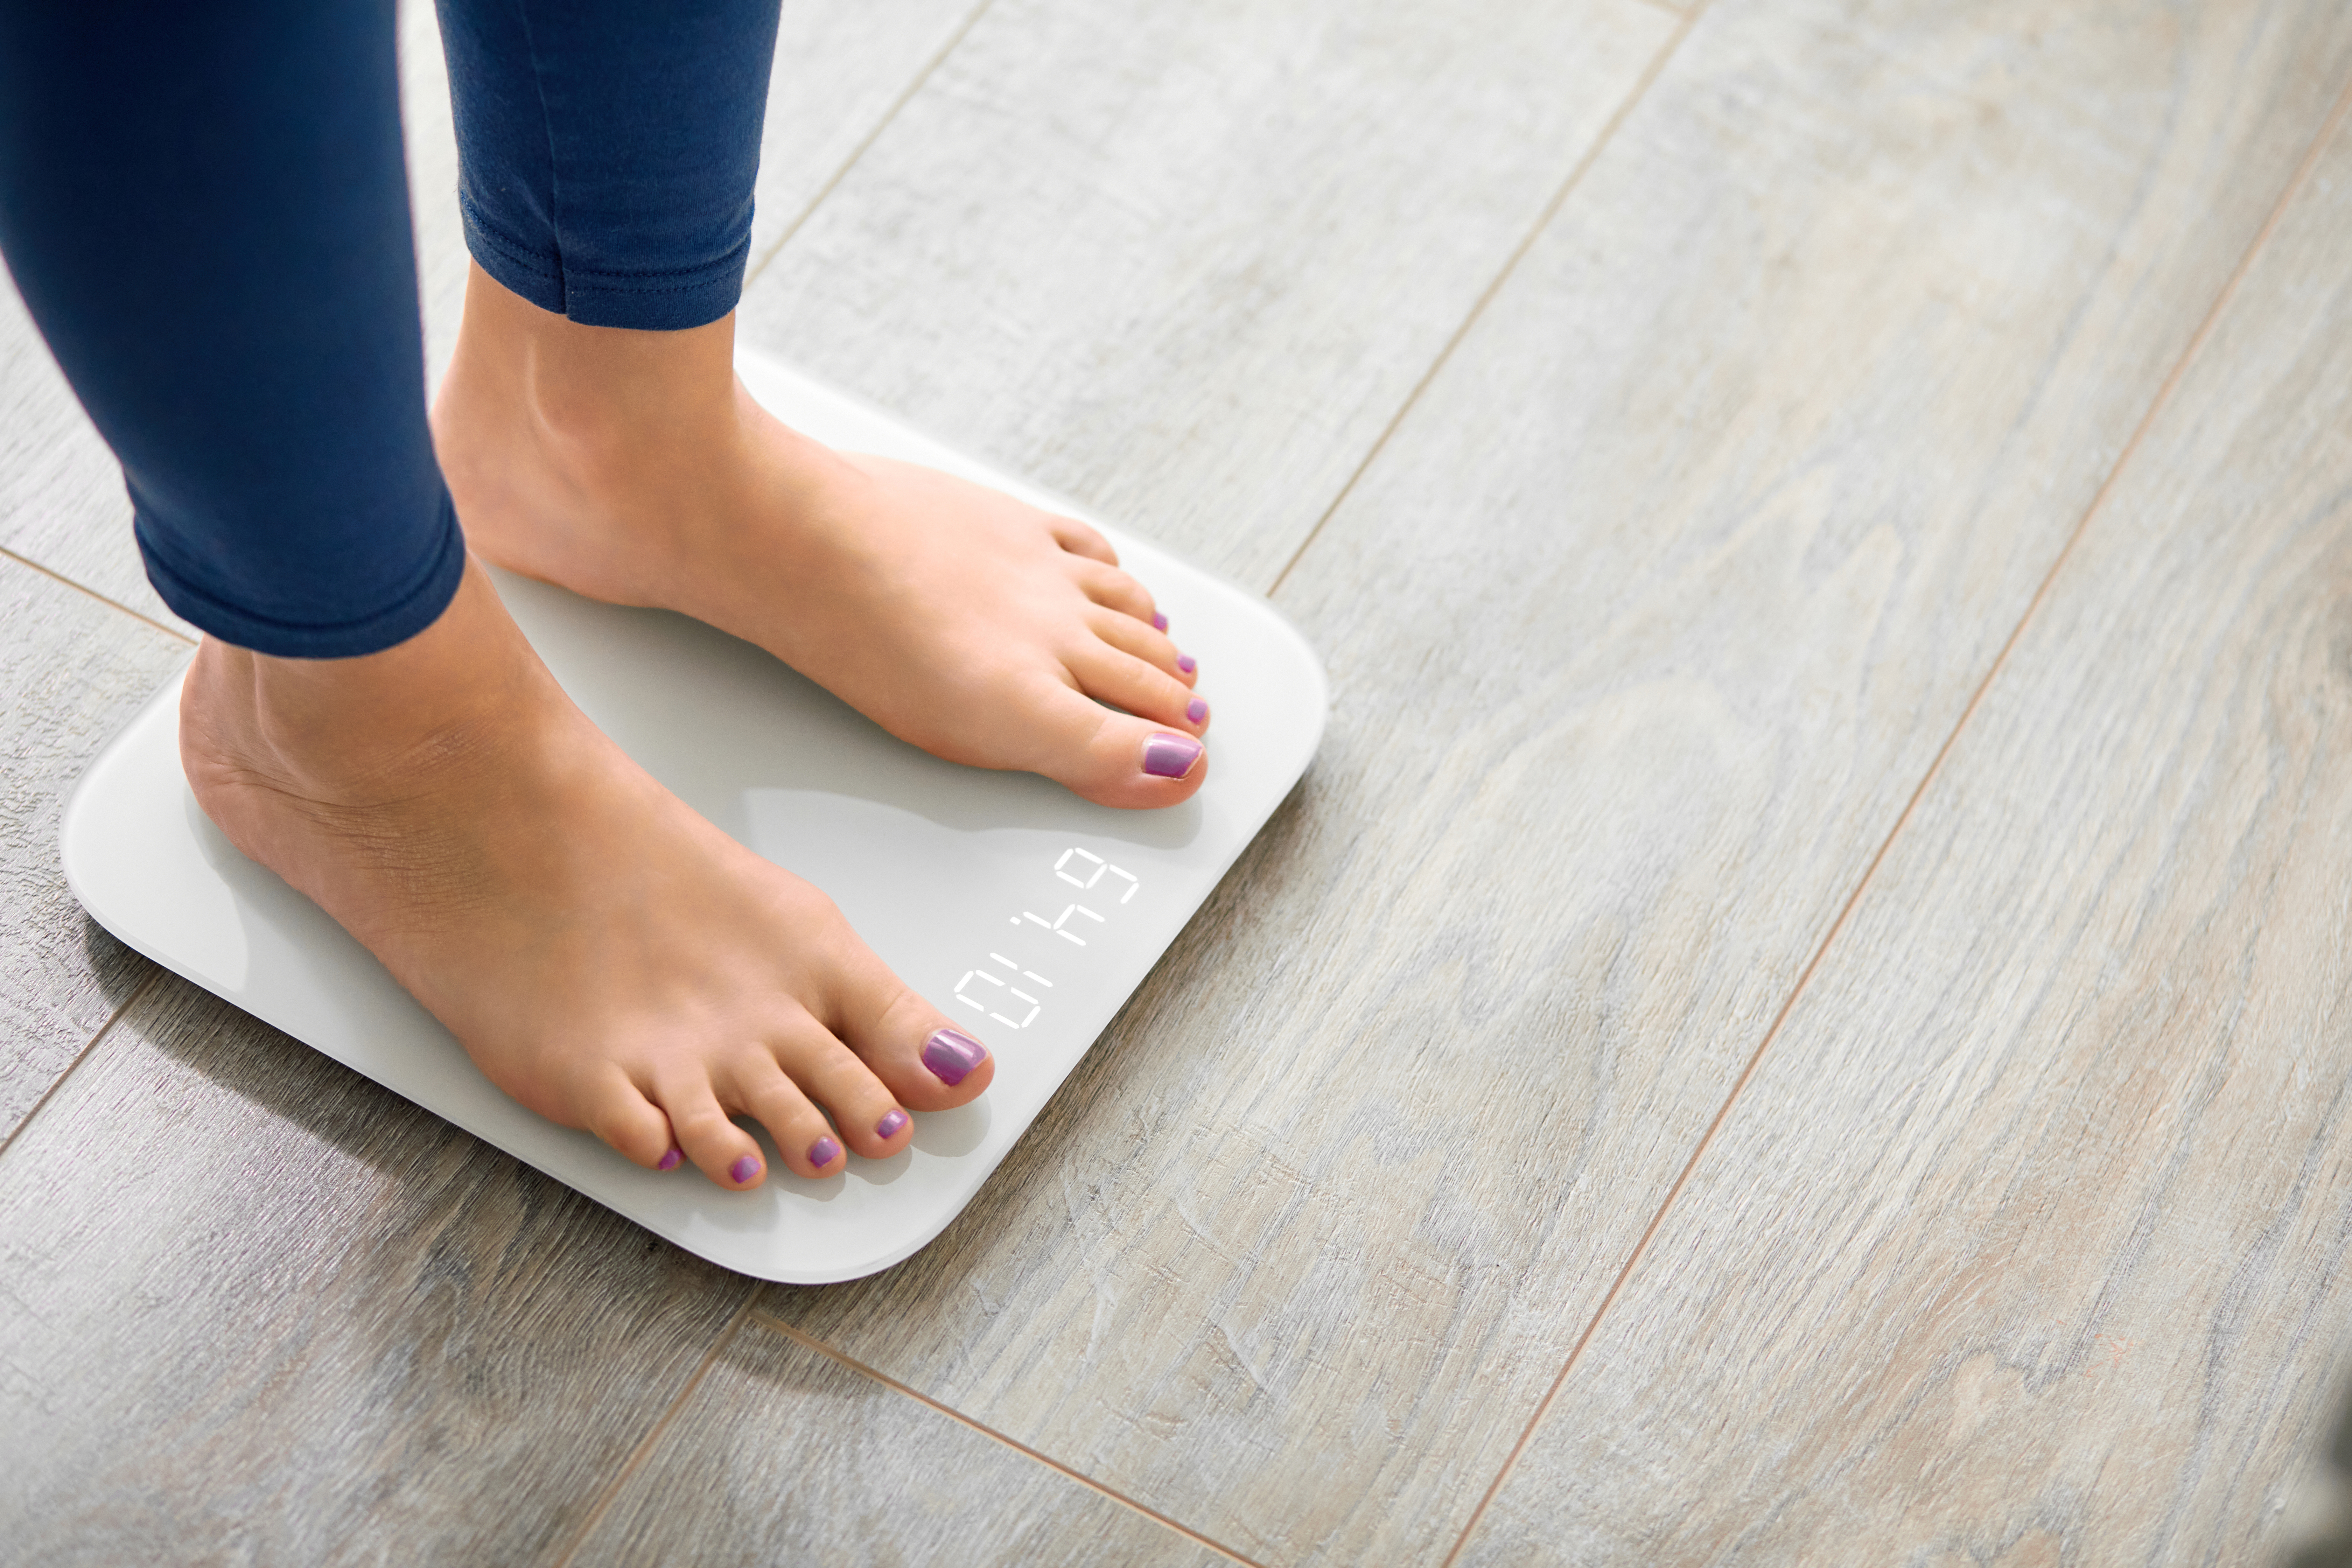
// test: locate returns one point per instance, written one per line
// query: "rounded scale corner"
(70, 837)
(76, 845)
(776, 1271)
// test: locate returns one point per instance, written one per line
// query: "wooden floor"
(1802, 1014)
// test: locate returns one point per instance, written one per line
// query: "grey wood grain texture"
(2028, 1242)
(841, 66)
(72, 670)
(62, 503)
(1185, 263)
(782, 1455)
(258, 1309)
(1643, 630)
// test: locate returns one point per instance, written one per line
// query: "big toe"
(1117, 759)
(915, 1050)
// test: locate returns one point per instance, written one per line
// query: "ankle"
(353, 726)
(590, 390)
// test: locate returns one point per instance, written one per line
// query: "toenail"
(670, 1160)
(744, 1168)
(1168, 756)
(889, 1126)
(953, 1055)
(823, 1152)
(1196, 711)
(1187, 663)
(1159, 622)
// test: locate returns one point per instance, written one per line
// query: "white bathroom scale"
(1023, 912)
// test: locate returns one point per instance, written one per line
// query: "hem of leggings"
(512, 265)
(388, 628)
(656, 305)
(653, 302)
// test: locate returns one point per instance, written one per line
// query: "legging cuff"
(657, 302)
(409, 613)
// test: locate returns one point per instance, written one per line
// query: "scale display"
(1026, 914)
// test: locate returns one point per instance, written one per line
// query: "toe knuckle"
(699, 1124)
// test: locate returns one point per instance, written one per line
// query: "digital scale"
(1026, 914)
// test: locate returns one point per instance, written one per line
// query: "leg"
(205, 209)
(596, 435)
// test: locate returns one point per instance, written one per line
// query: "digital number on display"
(1012, 991)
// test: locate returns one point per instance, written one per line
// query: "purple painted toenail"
(1187, 663)
(889, 1126)
(1196, 711)
(1168, 756)
(953, 1055)
(1159, 622)
(670, 1160)
(744, 1168)
(823, 1152)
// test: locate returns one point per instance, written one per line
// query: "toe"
(868, 1116)
(1108, 675)
(910, 1046)
(1115, 590)
(719, 1150)
(1079, 539)
(1112, 758)
(1128, 635)
(616, 1111)
(804, 1139)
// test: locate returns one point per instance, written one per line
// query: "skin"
(604, 954)
(633, 467)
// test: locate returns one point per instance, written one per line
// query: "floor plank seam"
(80, 1057)
(1551, 207)
(811, 1341)
(913, 86)
(2164, 394)
(646, 1445)
(87, 592)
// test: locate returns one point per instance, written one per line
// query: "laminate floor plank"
(62, 504)
(2028, 1242)
(72, 669)
(1644, 627)
(841, 66)
(783, 1455)
(1186, 261)
(258, 1309)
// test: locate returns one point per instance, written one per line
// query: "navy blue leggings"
(206, 207)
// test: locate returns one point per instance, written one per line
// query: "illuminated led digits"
(1073, 936)
(1005, 987)
(1056, 926)
(985, 990)
(1026, 973)
(1100, 866)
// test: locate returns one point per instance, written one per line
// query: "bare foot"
(631, 466)
(606, 955)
